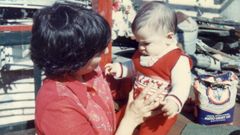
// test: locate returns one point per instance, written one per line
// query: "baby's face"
(151, 43)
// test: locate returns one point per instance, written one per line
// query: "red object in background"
(120, 88)
(104, 8)
(15, 27)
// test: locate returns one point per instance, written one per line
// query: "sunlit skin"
(152, 42)
(91, 64)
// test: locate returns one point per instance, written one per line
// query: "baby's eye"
(144, 43)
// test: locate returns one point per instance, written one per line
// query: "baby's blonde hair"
(156, 16)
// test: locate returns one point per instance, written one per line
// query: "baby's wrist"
(176, 102)
(119, 69)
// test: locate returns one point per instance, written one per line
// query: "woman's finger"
(148, 109)
(164, 108)
(153, 109)
(163, 103)
(142, 95)
(156, 104)
(130, 96)
(154, 98)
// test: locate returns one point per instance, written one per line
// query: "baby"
(158, 63)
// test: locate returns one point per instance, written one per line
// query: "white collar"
(148, 61)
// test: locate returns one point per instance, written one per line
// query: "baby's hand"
(113, 69)
(170, 108)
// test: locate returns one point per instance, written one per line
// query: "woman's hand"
(139, 109)
(142, 107)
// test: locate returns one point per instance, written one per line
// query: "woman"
(67, 44)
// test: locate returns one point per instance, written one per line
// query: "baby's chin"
(144, 54)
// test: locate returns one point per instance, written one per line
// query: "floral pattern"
(123, 13)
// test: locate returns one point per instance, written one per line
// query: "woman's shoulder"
(48, 86)
(47, 92)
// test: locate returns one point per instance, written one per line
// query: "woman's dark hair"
(66, 36)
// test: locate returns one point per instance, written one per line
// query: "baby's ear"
(170, 35)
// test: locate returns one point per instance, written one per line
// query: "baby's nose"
(141, 47)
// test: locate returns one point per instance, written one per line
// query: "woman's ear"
(170, 35)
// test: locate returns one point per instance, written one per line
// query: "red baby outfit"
(159, 76)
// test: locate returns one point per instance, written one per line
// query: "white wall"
(189, 7)
(26, 3)
(205, 6)
(232, 11)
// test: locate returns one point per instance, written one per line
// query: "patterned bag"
(215, 97)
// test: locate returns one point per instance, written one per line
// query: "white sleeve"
(128, 69)
(181, 81)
